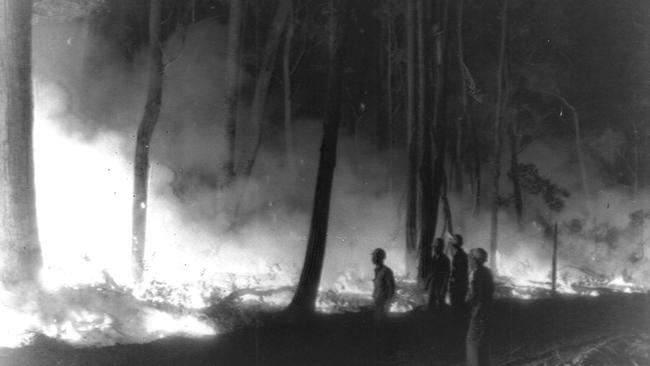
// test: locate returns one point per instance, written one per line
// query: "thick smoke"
(89, 101)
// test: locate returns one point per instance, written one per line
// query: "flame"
(84, 197)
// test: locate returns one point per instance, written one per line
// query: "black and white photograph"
(324, 182)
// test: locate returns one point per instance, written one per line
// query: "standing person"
(459, 278)
(439, 277)
(479, 299)
(384, 285)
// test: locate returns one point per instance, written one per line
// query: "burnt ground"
(607, 330)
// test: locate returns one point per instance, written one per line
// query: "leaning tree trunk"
(412, 133)
(286, 83)
(232, 82)
(20, 252)
(305, 297)
(143, 141)
(262, 83)
(497, 142)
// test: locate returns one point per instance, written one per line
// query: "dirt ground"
(606, 330)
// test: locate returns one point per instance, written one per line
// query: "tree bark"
(143, 140)
(307, 290)
(496, 164)
(263, 81)
(232, 82)
(432, 170)
(389, 85)
(446, 208)
(514, 174)
(458, 166)
(20, 252)
(412, 132)
(286, 81)
(476, 166)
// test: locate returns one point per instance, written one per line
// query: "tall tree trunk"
(463, 117)
(514, 174)
(432, 170)
(307, 290)
(412, 133)
(496, 164)
(286, 81)
(20, 252)
(424, 151)
(389, 88)
(440, 117)
(263, 81)
(446, 207)
(143, 140)
(232, 83)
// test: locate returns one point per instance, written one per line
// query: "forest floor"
(609, 329)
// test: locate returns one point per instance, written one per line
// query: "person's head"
(458, 240)
(378, 256)
(438, 246)
(477, 257)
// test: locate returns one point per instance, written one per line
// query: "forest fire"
(84, 235)
(412, 179)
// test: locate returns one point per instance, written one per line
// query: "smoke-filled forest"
(203, 182)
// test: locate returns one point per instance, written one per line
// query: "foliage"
(533, 183)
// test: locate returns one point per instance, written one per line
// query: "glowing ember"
(163, 324)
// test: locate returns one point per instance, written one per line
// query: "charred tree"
(412, 132)
(262, 83)
(307, 291)
(232, 82)
(143, 140)
(496, 163)
(19, 244)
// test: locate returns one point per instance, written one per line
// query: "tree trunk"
(476, 166)
(514, 175)
(496, 165)
(389, 90)
(307, 290)
(20, 252)
(446, 208)
(143, 140)
(432, 170)
(286, 81)
(412, 133)
(461, 121)
(232, 83)
(262, 83)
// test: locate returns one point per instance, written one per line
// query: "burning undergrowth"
(208, 272)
